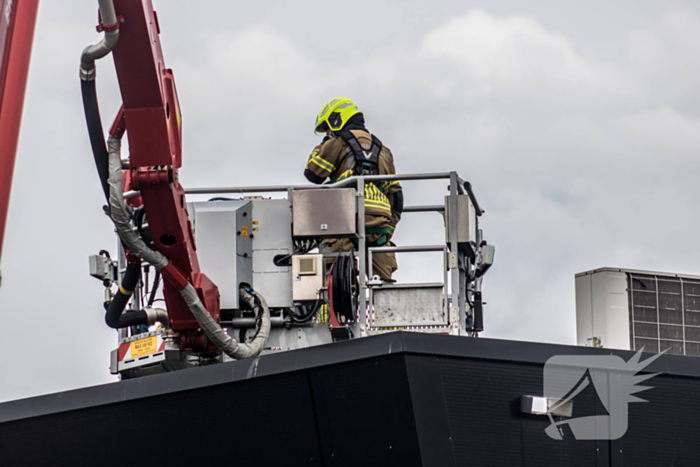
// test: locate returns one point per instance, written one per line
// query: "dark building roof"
(398, 399)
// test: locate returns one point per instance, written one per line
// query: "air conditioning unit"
(632, 309)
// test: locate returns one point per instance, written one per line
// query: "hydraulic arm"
(150, 117)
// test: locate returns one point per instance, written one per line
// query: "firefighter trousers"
(383, 264)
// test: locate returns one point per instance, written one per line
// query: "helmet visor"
(321, 128)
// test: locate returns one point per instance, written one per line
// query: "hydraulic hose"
(216, 334)
(87, 87)
(119, 214)
(114, 317)
(94, 124)
(156, 283)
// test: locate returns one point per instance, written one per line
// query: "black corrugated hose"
(115, 318)
(97, 139)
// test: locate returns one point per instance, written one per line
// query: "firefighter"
(349, 149)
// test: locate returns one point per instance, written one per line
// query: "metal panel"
(602, 310)
(440, 398)
(306, 285)
(584, 311)
(466, 220)
(325, 213)
(222, 231)
(272, 236)
(408, 306)
(610, 309)
(298, 338)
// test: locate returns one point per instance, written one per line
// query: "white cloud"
(672, 134)
(517, 52)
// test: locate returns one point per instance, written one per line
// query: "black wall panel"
(397, 400)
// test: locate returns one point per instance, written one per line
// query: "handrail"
(429, 208)
(462, 186)
(406, 249)
(340, 184)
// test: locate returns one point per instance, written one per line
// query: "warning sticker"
(244, 230)
(143, 347)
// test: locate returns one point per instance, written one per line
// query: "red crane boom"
(17, 21)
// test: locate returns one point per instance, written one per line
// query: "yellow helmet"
(335, 114)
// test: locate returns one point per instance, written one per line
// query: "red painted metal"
(17, 21)
(119, 125)
(153, 126)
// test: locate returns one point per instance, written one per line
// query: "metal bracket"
(454, 316)
(452, 260)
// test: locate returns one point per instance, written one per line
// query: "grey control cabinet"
(222, 231)
(272, 237)
(467, 223)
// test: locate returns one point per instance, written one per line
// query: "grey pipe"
(275, 322)
(216, 334)
(157, 315)
(102, 48)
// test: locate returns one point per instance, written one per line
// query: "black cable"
(307, 314)
(301, 247)
(154, 290)
(258, 310)
(145, 234)
(97, 138)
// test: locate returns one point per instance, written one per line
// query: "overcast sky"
(576, 122)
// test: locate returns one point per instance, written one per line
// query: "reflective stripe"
(325, 165)
(346, 174)
(313, 154)
(378, 204)
(375, 198)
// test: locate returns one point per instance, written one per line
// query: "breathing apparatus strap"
(366, 162)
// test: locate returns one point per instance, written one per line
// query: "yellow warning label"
(255, 222)
(255, 229)
(143, 347)
(244, 230)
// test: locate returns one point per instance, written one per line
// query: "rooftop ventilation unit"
(630, 309)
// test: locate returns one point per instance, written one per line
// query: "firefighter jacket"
(334, 159)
